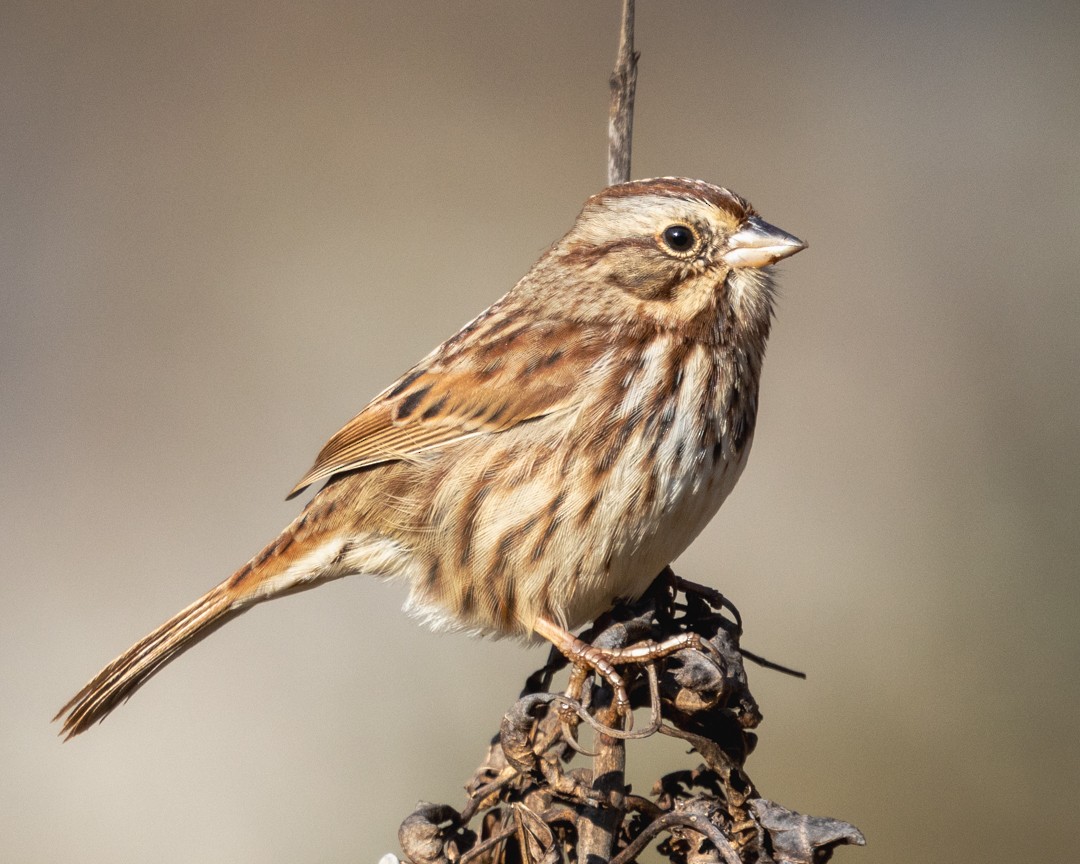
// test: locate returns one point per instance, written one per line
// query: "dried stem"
(678, 819)
(600, 825)
(623, 84)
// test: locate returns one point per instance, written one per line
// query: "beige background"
(225, 226)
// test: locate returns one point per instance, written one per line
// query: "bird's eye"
(679, 238)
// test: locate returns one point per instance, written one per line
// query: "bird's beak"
(758, 244)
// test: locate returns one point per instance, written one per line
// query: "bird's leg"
(585, 658)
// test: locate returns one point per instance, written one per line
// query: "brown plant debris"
(526, 805)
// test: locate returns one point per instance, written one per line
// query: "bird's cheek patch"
(645, 279)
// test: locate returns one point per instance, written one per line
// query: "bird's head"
(670, 252)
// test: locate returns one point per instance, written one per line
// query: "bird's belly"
(567, 555)
(652, 538)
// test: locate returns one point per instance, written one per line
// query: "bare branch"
(623, 85)
(600, 825)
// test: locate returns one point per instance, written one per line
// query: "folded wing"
(493, 375)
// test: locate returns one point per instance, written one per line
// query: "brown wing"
(491, 376)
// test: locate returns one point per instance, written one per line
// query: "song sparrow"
(551, 457)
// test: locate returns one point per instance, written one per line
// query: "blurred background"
(224, 226)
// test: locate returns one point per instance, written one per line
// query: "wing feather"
(488, 378)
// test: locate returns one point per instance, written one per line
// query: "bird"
(550, 458)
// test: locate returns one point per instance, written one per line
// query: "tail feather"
(115, 684)
(299, 558)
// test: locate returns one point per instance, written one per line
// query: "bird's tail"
(286, 565)
(117, 681)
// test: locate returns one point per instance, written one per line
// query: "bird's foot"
(586, 659)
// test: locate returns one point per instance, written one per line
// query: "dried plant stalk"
(621, 113)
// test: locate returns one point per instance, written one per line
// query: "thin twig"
(678, 820)
(483, 793)
(769, 664)
(623, 84)
(482, 847)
